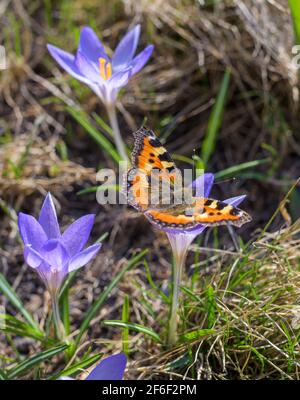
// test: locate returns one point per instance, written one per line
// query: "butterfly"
(152, 170)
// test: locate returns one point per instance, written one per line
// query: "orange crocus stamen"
(108, 70)
(102, 62)
(105, 68)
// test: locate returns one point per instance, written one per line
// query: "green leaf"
(237, 169)
(103, 124)
(196, 334)
(164, 297)
(3, 375)
(65, 311)
(11, 295)
(31, 362)
(64, 300)
(103, 142)
(190, 293)
(211, 306)
(294, 205)
(96, 306)
(295, 13)
(14, 326)
(62, 149)
(94, 189)
(125, 319)
(134, 327)
(178, 363)
(78, 367)
(215, 120)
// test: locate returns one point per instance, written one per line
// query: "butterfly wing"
(137, 188)
(207, 212)
(152, 168)
(148, 153)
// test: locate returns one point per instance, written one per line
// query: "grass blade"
(215, 120)
(235, 170)
(190, 293)
(11, 295)
(135, 327)
(65, 311)
(164, 297)
(31, 362)
(295, 13)
(103, 142)
(78, 367)
(3, 376)
(16, 327)
(211, 306)
(125, 319)
(196, 334)
(103, 124)
(94, 189)
(94, 309)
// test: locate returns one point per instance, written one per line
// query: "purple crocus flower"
(92, 66)
(51, 253)
(110, 369)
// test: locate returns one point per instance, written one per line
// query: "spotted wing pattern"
(149, 155)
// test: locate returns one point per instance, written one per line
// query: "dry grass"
(255, 322)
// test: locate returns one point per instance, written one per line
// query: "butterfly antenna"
(233, 179)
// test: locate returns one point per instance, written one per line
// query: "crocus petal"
(66, 61)
(99, 89)
(111, 89)
(141, 59)
(53, 276)
(88, 68)
(31, 231)
(120, 79)
(111, 369)
(192, 231)
(126, 48)
(82, 258)
(235, 201)
(180, 242)
(55, 253)
(90, 45)
(76, 235)
(48, 218)
(32, 257)
(203, 184)
(197, 230)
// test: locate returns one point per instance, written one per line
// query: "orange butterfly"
(150, 156)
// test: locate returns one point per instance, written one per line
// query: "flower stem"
(112, 115)
(179, 261)
(59, 327)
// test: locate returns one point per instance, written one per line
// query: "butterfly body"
(154, 187)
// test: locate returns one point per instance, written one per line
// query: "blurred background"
(221, 86)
